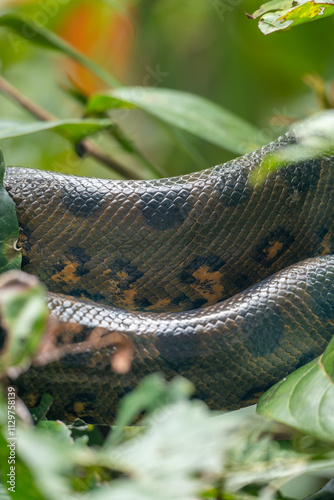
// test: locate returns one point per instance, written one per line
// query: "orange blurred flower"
(103, 34)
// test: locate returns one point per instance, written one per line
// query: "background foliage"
(209, 48)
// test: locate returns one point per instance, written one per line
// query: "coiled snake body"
(165, 248)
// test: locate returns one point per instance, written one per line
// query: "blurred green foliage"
(209, 48)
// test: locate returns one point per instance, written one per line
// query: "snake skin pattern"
(177, 244)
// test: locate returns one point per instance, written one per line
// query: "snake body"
(162, 247)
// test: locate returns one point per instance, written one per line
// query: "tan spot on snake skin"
(208, 284)
(326, 244)
(79, 407)
(123, 275)
(275, 247)
(113, 287)
(69, 417)
(161, 303)
(68, 274)
(127, 298)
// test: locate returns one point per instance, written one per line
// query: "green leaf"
(189, 112)
(25, 485)
(326, 493)
(72, 128)
(305, 398)
(32, 31)
(47, 459)
(39, 412)
(151, 393)
(282, 14)
(3, 493)
(182, 446)
(56, 429)
(10, 257)
(24, 314)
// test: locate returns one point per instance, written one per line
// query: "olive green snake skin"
(185, 268)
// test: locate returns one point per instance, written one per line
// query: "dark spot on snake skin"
(165, 208)
(242, 282)
(213, 262)
(79, 292)
(25, 260)
(273, 246)
(56, 267)
(125, 271)
(96, 297)
(142, 303)
(305, 358)
(263, 339)
(179, 299)
(199, 303)
(179, 350)
(78, 255)
(82, 203)
(234, 190)
(322, 232)
(301, 177)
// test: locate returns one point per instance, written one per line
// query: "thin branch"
(85, 147)
(25, 102)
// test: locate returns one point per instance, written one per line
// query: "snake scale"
(192, 269)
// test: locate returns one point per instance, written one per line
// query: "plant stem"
(86, 146)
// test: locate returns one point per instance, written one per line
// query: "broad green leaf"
(189, 112)
(10, 257)
(24, 315)
(27, 28)
(305, 398)
(74, 129)
(282, 14)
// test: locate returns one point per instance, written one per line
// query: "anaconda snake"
(162, 247)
